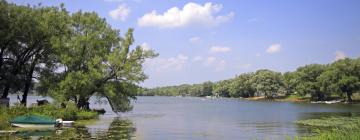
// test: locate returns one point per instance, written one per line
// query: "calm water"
(200, 119)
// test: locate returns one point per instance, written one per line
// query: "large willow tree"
(26, 37)
(92, 59)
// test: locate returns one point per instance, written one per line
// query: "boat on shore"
(35, 121)
(326, 102)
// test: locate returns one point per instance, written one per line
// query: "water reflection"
(201, 119)
(118, 129)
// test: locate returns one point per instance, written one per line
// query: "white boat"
(332, 102)
(64, 124)
(67, 123)
(33, 121)
(326, 102)
(33, 125)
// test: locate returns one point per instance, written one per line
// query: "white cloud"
(169, 64)
(210, 60)
(219, 49)
(220, 66)
(197, 58)
(120, 13)
(145, 46)
(190, 14)
(246, 66)
(339, 55)
(274, 48)
(214, 62)
(194, 39)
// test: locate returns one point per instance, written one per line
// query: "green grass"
(333, 128)
(71, 112)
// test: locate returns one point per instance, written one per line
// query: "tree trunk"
(6, 90)
(4, 102)
(83, 103)
(8, 84)
(1, 59)
(29, 80)
(348, 94)
(111, 105)
(265, 95)
(80, 102)
(320, 96)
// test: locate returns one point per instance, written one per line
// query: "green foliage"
(222, 88)
(319, 82)
(305, 81)
(71, 112)
(98, 61)
(86, 115)
(266, 83)
(333, 128)
(5, 117)
(333, 122)
(290, 81)
(27, 44)
(342, 78)
(73, 56)
(339, 134)
(242, 86)
(207, 89)
(120, 102)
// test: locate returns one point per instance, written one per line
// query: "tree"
(52, 26)
(16, 40)
(267, 82)
(4, 38)
(195, 90)
(207, 89)
(95, 60)
(26, 44)
(290, 80)
(305, 81)
(183, 89)
(341, 77)
(242, 86)
(221, 88)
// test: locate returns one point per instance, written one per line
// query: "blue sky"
(215, 39)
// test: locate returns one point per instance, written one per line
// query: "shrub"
(71, 112)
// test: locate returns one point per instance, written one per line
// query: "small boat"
(65, 123)
(333, 102)
(35, 121)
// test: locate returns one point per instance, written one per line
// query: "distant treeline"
(317, 81)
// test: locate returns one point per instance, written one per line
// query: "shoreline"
(291, 98)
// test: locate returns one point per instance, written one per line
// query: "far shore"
(293, 98)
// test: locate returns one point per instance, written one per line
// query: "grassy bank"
(333, 128)
(71, 112)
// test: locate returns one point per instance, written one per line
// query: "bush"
(86, 115)
(71, 112)
(4, 117)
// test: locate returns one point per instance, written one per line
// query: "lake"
(200, 119)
